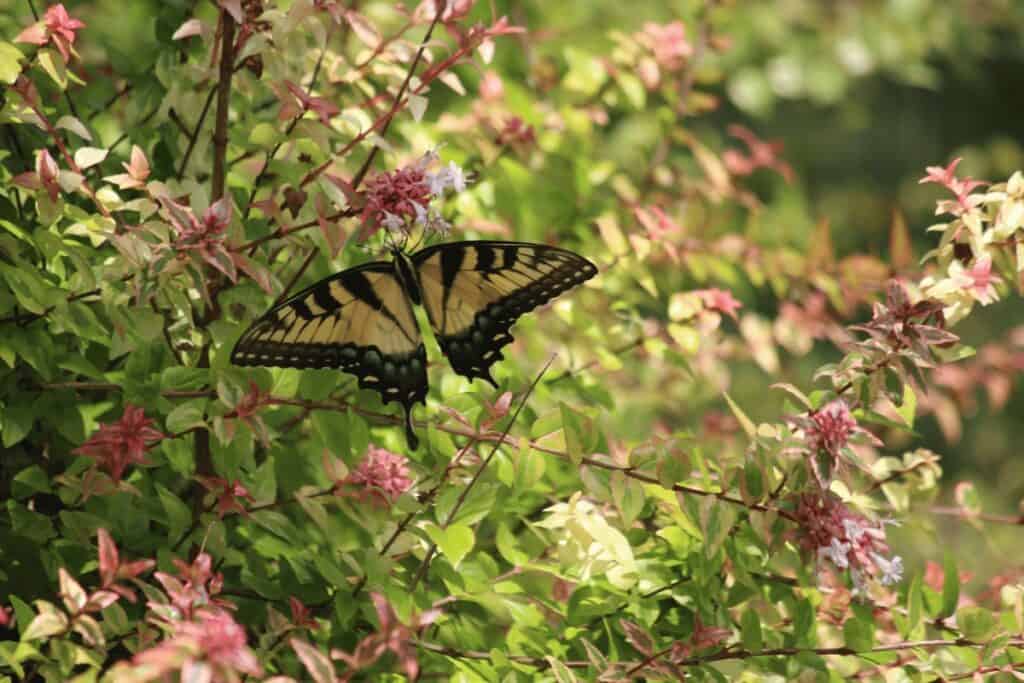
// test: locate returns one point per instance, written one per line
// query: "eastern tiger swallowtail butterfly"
(361, 319)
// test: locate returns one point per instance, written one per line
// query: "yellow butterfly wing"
(360, 321)
(475, 291)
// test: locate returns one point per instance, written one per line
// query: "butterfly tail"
(410, 433)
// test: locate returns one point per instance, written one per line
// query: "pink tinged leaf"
(363, 29)
(269, 208)
(346, 188)
(501, 406)
(637, 637)
(71, 592)
(316, 662)
(192, 27)
(29, 180)
(218, 215)
(58, 21)
(451, 79)
(501, 28)
(103, 599)
(46, 166)
(234, 8)
(486, 50)
(260, 274)
(138, 168)
(180, 216)
(940, 175)
(324, 109)
(410, 663)
(220, 258)
(35, 34)
(385, 614)
(290, 108)
(123, 181)
(109, 560)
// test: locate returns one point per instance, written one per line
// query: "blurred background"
(863, 95)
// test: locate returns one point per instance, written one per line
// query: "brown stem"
(220, 132)
(204, 457)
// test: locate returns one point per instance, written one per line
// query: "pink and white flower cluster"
(850, 541)
(400, 200)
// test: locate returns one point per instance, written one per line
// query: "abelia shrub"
(668, 483)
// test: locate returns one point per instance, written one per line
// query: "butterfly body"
(361, 320)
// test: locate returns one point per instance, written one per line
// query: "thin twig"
(195, 131)
(291, 126)
(464, 494)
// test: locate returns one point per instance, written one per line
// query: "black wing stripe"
(315, 314)
(529, 274)
(484, 258)
(451, 261)
(359, 286)
(323, 298)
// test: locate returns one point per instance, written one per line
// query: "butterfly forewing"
(360, 321)
(475, 291)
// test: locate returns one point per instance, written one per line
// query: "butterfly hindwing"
(360, 321)
(475, 291)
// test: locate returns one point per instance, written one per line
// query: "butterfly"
(361, 320)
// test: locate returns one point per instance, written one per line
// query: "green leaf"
(186, 416)
(455, 542)
(803, 621)
(529, 466)
(182, 379)
(29, 481)
(508, 546)
(563, 674)
(574, 437)
(628, 494)
(179, 517)
(745, 422)
(908, 406)
(950, 586)
(16, 421)
(10, 62)
(335, 435)
(54, 67)
(915, 609)
(750, 631)
(976, 623)
(586, 72)
(859, 634)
